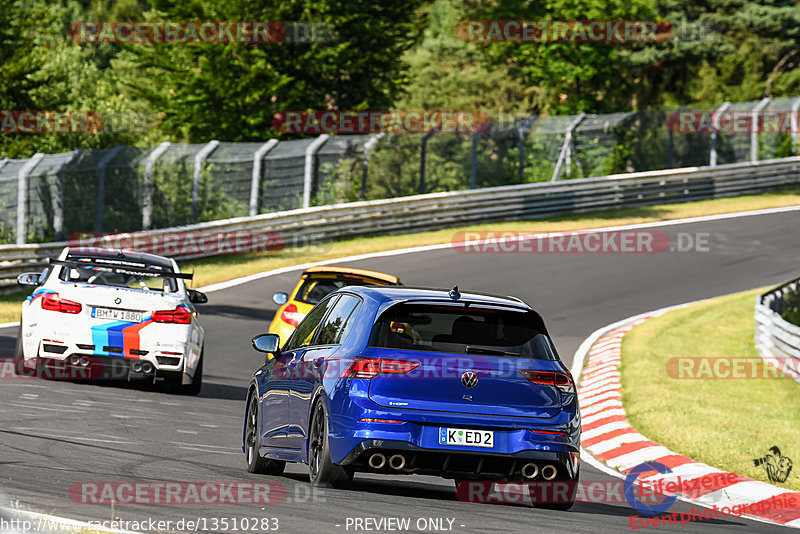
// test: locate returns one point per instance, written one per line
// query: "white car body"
(131, 335)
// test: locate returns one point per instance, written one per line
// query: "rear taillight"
(372, 367)
(550, 378)
(179, 315)
(52, 302)
(291, 316)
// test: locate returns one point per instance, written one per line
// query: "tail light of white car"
(53, 302)
(180, 315)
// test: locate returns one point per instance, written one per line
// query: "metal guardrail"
(441, 210)
(778, 340)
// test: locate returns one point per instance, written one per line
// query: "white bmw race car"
(98, 313)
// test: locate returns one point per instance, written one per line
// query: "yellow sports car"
(314, 285)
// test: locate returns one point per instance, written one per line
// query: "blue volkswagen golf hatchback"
(401, 380)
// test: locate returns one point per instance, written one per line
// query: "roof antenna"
(454, 294)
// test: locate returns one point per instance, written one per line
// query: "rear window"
(314, 290)
(460, 329)
(92, 275)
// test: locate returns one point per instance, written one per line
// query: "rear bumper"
(170, 361)
(458, 464)
(79, 366)
(556, 441)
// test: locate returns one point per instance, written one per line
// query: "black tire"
(197, 381)
(564, 506)
(321, 471)
(19, 357)
(255, 463)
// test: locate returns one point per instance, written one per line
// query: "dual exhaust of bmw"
(397, 462)
(136, 367)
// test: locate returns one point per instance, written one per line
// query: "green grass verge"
(725, 423)
(220, 268)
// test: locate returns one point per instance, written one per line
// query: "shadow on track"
(223, 391)
(227, 310)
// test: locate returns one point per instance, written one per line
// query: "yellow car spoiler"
(351, 271)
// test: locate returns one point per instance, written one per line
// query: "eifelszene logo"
(630, 494)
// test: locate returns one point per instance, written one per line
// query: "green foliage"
(791, 307)
(231, 91)
(385, 55)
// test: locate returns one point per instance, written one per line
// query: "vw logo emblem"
(117, 300)
(469, 379)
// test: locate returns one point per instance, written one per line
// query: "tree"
(231, 91)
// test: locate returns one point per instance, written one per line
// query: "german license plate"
(114, 314)
(466, 438)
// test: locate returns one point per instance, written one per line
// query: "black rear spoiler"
(125, 269)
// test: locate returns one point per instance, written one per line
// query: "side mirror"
(29, 279)
(269, 343)
(280, 298)
(197, 297)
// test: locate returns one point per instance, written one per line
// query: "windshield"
(460, 329)
(314, 290)
(92, 275)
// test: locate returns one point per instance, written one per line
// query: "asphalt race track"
(55, 434)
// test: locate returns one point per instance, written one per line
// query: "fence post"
(199, 158)
(473, 167)
(57, 197)
(308, 173)
(423, 150)
(525, 126)
(147, 197)
(22, 195)
(101, 185)
(712, 157)
(368, 146)
(671, 145)
(754, 128)
(565, 149)
(255, 181)
(793, 119)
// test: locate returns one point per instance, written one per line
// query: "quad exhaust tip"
(397, 462)
(549, 472)
(530, 470)
(377, 460)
